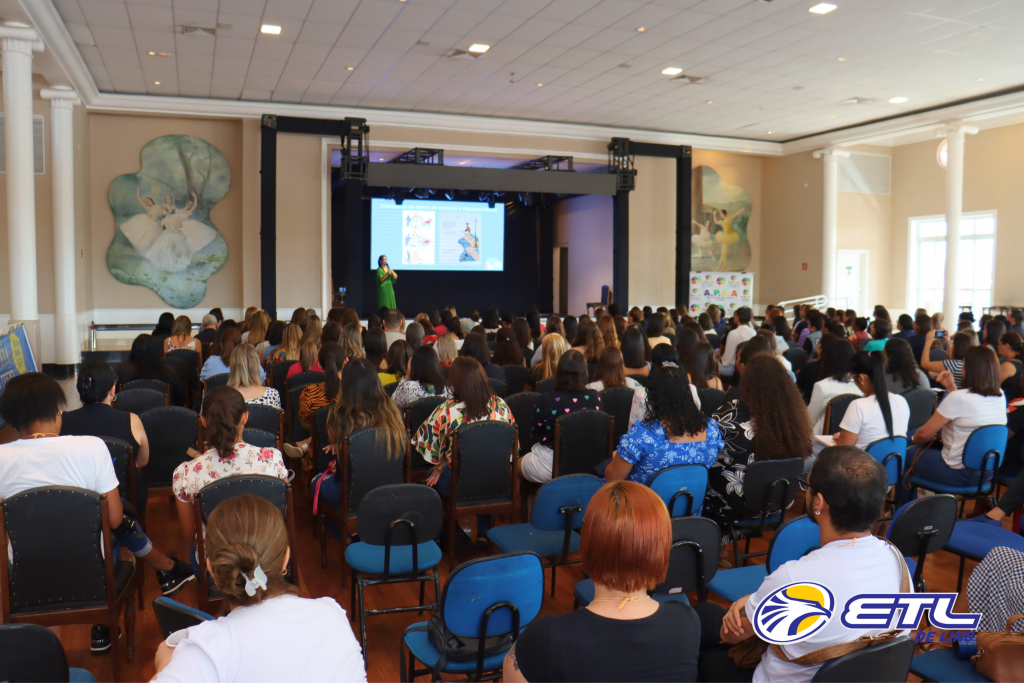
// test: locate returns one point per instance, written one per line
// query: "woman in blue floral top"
(673, 432)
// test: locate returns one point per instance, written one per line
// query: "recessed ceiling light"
(641, 29)
(672, 71)
(765, 109)
(271, 29)
(842, 59)
(711, 101)
(479, 47)
(980, 80)
(771, 132)
(822, 8)
(898, 100)
(156, 82)
(152, 53)
(349, 68)
(462, 163)
(540, 85)
(833, 116)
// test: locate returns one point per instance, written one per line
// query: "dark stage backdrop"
(527, 278)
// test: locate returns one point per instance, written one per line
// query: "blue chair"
(921, 527)
(682, 488)
(891, 452)
(972, 540)
(489, 599)
(984, 452)
(29, 652)
(943, 666)
(173, 616)
(557, 513)
(692, 563)
(397, 524)
(791, 541)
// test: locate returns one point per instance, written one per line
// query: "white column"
(955, 133)
(830, 220)
(62, 157)
(19, 40)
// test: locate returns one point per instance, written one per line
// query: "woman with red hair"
(625, 544)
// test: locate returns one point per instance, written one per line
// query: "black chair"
(139, 401)
(363, 465)
(516, 377)
(33, 654)
(497, 386)
(922, 405)
(266, 418)
(546, 386)
(123, 456)
(523, 405)
(770, 487)
(171, 430)
(389, 389)
(415, 415)
(259, 438)
(64, 571)
(293, 387)
(154, 384)
(936, 355)
(835, 411)
(276, 491)
(397, 526)
(172, 616)
(710, 400)
(215, 381)
(921, 527)
(642, 380)
(582, 440)
(591, 371)
(179, 366)
(796, 357)
(279, 373)
(885, 663)
(616, 401)
(192, 367)
(485, 486)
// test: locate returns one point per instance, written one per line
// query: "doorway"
(852, 280)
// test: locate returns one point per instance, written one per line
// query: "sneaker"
(101, 639)
(173, 580)
(292, 451)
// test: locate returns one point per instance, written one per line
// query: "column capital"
(957, 129)
(19, 37)
(60, 96)
(830, 154)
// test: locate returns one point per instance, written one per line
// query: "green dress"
(385, 291)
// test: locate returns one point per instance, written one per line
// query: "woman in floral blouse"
(422, 379)
(224, 417)
(768, 422)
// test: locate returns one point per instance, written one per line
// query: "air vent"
(690, 79)
(859, 100)
(625, 66)
(38, 145)
(465, 55)
(865, 173)
(422, 43)
(189, 29)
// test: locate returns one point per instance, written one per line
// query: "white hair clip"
(259, 579)
(669, 364)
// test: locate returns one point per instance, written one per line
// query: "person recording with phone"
(385, 284)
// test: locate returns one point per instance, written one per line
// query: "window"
(928, 261)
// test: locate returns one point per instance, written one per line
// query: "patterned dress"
(648, 449)
(552, 406)
(408, 392)
(192, 475)
(270, 397)
(312, 398)
(435, 436)
(724, 500)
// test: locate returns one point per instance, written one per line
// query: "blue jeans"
(930, 465)
(726, 370)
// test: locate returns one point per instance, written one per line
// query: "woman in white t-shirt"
(979, 403)
(270, 634)
(880, 414)
(834, 368)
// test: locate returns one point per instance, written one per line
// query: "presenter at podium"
(385, 284)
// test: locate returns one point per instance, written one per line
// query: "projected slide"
(437, 235)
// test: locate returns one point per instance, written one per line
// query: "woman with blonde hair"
(314, 330)
(308, 361)
(247, 556)
(181, 337)
(245, 376)
(290, 344)
(352, 341)
(247, 322)
(552, 348)
(606, 327)
(446, 349)
(257, 334)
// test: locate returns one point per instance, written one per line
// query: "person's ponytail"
(223, 409)
(881, 390)
(332, 359)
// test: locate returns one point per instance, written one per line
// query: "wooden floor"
(383, 632)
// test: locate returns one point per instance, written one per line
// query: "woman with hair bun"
(267, 623)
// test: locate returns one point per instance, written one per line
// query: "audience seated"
(164, 326)
(702, 371)
(393, 323)
(507, 349)
(181, 337)
(475, 347)
(247, 546)
(375, 346)
(880, 414)
(312, 332)
(880, 329)
(1010, 349)
(741, 333)
(656, 330)
(956, 351)
(588, 340)
(775, 350)
(208, 329)
(144, 363)
(554, 326)
(446, 349)
(662, 356)
(274, 335)
(288, 349)
(834, 371)
(245, 377)
(672, 432)
(756, 345)
(901, 371)
(414, 335)
(218, 364)
(307, 360)
(611, 372)
(636, 352)
(351, 341)
(522, 334)
(319, 394)
(398, 357)
(623, 634)
(606, 328)
(570, 324)
(422, 379)
(553, 347)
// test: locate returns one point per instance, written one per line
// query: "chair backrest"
(591, 371)
(885, 663)
(259, 438)
(401, 508)
(121, 454)
(472, 591)
(561, 497)
(482, 461)
(389, 389)
(546, 386)
(516, 377)
(582, 439)
(693, 560)
(320, 438)
(178, 365)
(301, 379)
(269, 488)
(138, 401)
(267, 418)
(937, 355)
(55, 533)
(642, 380)
(280, 372)
(922, 405)
(770, 486)
(31, 653)
(191, 359)
(836, 410)
(297, 432)
(497, 386)
(710, 400)
(218, 380)
(924, 525)
(171, 431)
(796, 357)
(366, 466)
(523, 406)
(172, 616)
(881, 451)
(154, 384)
(794, 539)
(682, 487)
(419, 410)
(982, 442)
(616, 401)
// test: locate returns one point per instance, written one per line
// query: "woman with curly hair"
(767, 422)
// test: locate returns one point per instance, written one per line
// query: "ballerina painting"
(172, 247)
(721, 214)
(702, 241)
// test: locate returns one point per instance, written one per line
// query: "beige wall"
(865, 223)
(298, 223)
(584, 225)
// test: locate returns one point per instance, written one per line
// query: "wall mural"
(719, 228)
(164, 238)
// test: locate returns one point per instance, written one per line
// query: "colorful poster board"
(16, 356)
(728, 291)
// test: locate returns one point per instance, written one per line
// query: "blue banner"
(15, 354)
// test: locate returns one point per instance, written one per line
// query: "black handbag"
(458, 648)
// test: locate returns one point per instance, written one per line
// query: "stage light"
(399, 197)
(449, 195)
(526, 198)
(421, 193)
(491, 200)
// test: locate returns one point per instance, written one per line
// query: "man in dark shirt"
(906, 332)
(922, 326)
(208, 333)
(1017, 320)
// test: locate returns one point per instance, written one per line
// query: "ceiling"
(769, 66)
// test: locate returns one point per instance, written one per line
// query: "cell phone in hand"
(939, 334)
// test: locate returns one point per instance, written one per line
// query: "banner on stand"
(728, 291)
(15, 354)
